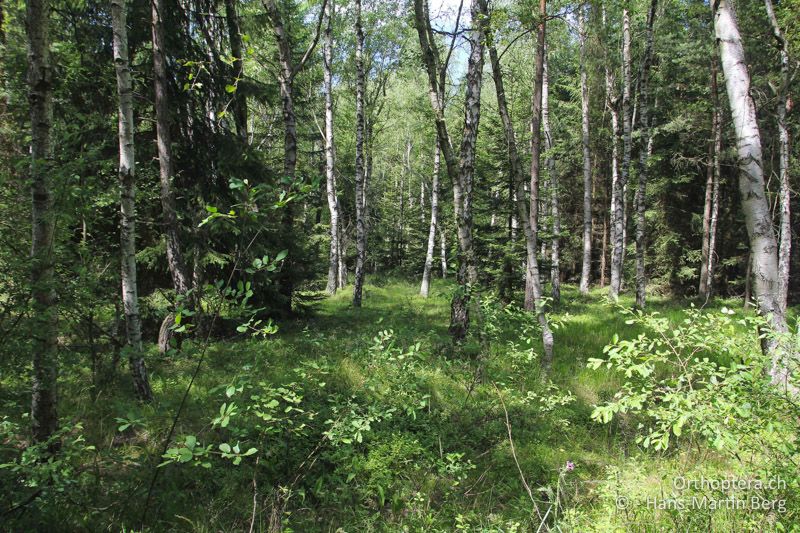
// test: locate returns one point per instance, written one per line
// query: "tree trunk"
(586, 266)
(127, 184)
(44, 416)
(330, 178)
(286, 75)
(711, 204)
(443, 249)
(533, 289)
(763, 244)
(342, 248)
(712, 237)
(515, 163)
(361, 229)
(426, 272)
(550, 162)
(644, 155)
(462, 193)
(612, 103)
(618, 253)
(784, 106)
(460, 172)
(175, 258)
(237, 50)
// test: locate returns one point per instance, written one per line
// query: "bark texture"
(644, 153)
(127, 187)
(763, 245)
(618, 250)
(175, 259)
(533, 289)
(361, 227)
(711, 204)
(330, 177)
(784, 106)
(44, 333)
(288, 70)
(550, 162)
(586, 264)
(426, 272)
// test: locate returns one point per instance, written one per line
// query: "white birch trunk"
(586, 266)
(361, 229)
(426, 272)
(127, 184)
(763, 245)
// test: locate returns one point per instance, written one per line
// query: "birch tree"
(783, 107)
(550, 163)
(533, 289)
(330, 178)
(586, 264)
(127, 186)
(617, 189)
(361, 228)
(426, 272)
(711, 204)
(518, 194)
(44, 333)
(618, 250)
(460, 171)
(644, 152)
(763, 245)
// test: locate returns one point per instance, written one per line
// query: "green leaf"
(225, 447)
(185, 455)
(230, 88)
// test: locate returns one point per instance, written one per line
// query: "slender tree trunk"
(763, 244)
(237, 50)
(555, 268)
(330, 178)
(127, 183)
(426, 272)
(618, 252)
(533, 289)
(462, 194)
(44, 416)
(175, 259)
(443, 250)
(705, 254)
(712, 237)
(460, 172)
(361, 229)
(604, 251)
(711, 204)
(586, 266)
(644, 156)
(286, 75)
(515, 163)
(612, 103)
(342, 247)
(784, 106)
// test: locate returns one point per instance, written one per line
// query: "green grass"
(399, 477)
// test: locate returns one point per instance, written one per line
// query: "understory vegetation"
(370, 420)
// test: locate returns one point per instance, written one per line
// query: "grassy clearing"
(398, 432)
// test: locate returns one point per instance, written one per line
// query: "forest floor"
(369, 420)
